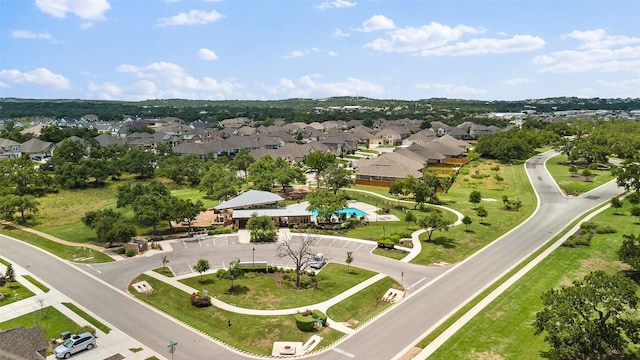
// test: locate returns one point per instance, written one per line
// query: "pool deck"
(370, 210)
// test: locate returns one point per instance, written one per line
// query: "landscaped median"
(256, 333)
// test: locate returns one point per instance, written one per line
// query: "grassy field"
(506, 324)
(263, 292)
(52, 322)
(365, 304)
(255, 334)
(575, 185)
(71, 253)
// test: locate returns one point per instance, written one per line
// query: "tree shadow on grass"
(206, 281)
(237, 290)
(445, 242)
(485, 224)
(631, 274)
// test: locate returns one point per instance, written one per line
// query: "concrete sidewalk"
(115, 342)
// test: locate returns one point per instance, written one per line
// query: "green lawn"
(71, 253)
(14, 292)
(505, 324)
(263, 292)
(90, 319)
(365, 304)
(36, 283)
(254, 334)
(575, 185)
(393, 254)
(52, 322)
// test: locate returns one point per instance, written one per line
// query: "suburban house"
(387, 168)
(37, 149)
(23, 343)
(9, 149)
(262, 203)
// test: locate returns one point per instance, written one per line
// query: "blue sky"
(268, 49)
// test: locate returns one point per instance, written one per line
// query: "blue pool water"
(349, 211)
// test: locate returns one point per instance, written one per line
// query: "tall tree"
(326, 203)
(300, 252)
(482, 213)
(616, 204)
(185, 210)
(241, 162)
(410, 217)
(466, 220)
(286, 174)
(434, 221)
(20, 177)
(318, 161)
(219, 182)
(592, 319)
(234, 271)
(336, 177)
(261, 174)
(262, 228)
(140, 161)
(150, 209)
(10, 274)
(629, 251)
(109, 225)
(628, 175)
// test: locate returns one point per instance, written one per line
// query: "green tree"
(482, 213)
(397, 188)
(10, 274)
(336, 177)
(10, 204)
(241, 162)
(349, 260)
(262, 228)
(185, 210)
(475, 197)
(432, 222)
(594, 318)
(201, 267)
(141, 162)
(20, 177)
(286, 174)
(466, 220)
(616, 204)
(628, 175)
(635, 211)
(151, 209)
(318, 161)
(629, 251)
(109, 226)
(326, 203)
(219, 182)
(573, 170)
(587, 174)
(261, 174)
(234, 271)
(410, 217)
(129, 194)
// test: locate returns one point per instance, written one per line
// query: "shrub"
(86, 328)
(200, 301)
(386, 244)
(578, 241)
(130, 253)
(217, 230)
(319, 315)
(121, 251)
(305, 323)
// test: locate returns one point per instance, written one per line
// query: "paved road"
(437, 291)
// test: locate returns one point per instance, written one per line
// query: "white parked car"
(318, 261)
(75, 344)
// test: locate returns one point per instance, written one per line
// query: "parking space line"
(358, 248)
(330, 245)
(345, 244)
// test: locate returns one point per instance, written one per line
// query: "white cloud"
(377, 22)
(518, 81)
(26, 34)
(336, 4)
(39, 76)
(411, 39)
(597, 39)
(164, 80)
(301, 53)
(517, 43)
(332, 53)
(84, 9)
(193, 17)
(597, 51)
(312, 86)
(439, 89)
(206, 54)
(339, 33)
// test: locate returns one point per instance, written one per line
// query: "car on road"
(318, 261)
(74, 344)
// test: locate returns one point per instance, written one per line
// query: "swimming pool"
(348, 211)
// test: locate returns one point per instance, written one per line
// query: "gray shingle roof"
(250, 198)
(21, 343)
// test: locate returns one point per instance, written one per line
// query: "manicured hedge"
(305, 323)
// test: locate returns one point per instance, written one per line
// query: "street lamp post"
(253, 258)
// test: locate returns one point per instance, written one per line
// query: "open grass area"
(164, 271)
(363, 305)
(35, 282)
(71, 253)
(52, 322)
(262, 291)
(575, 185)
(393, 254)
(255, 334)
(90, 319)
(506, 324)
(14, 292)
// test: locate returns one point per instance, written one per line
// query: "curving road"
(436, 292)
